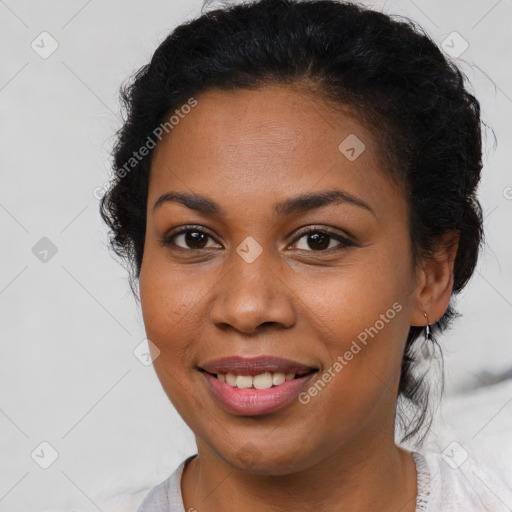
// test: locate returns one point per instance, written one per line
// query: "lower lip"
(253, 402)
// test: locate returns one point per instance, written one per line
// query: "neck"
(362, 476)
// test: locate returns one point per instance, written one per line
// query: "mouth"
(254, 386)
(264, 380)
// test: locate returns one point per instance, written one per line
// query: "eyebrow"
(295, 205)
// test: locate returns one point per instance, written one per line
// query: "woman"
(295, 190)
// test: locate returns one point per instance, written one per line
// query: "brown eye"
(321, 240)
(195, 239)
(318, 240)
(187, 238)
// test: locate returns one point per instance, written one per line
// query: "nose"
(253, 296)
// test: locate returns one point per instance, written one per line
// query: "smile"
(255, 386)
(261, 381)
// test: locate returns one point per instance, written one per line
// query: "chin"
(264, 459)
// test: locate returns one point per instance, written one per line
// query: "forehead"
(267, 142)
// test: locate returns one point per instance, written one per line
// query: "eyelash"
(345, 242)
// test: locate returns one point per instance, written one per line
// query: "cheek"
(360, 314)
(168, 307)
(168, 295)
(347, 302)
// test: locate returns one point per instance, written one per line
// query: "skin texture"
(247, 150)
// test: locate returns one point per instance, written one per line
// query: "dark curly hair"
(387, 70)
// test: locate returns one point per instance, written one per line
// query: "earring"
(427, 348)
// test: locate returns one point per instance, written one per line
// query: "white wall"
(68, 326)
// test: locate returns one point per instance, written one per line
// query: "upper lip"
(239, 365)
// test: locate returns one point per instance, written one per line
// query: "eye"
(191, 237)
(319, 240)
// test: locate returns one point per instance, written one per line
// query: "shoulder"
(453, 480)
(166, 496)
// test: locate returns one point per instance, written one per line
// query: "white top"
(451, 481)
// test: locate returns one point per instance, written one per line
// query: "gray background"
(69, 325)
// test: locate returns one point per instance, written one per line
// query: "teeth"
(278, 378)
(243, 381)
(262, 381)
(231, 379)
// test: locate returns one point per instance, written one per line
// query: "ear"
(434, 282)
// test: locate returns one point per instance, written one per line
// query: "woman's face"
(247, 280)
